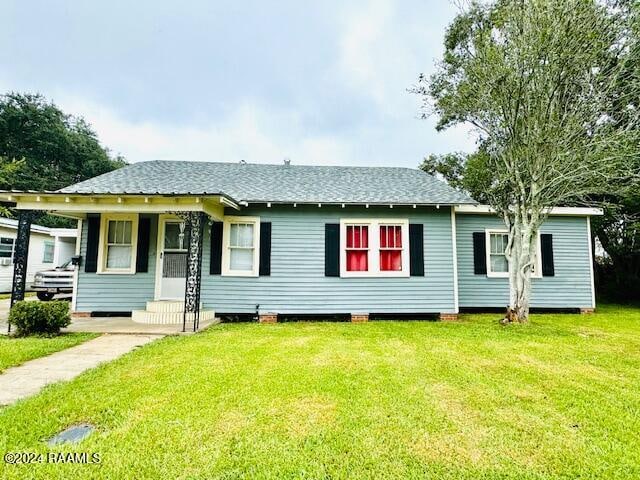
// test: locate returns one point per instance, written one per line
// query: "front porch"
(130, 239)
(126, 325)
(114, 324)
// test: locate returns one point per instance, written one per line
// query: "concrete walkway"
(126, 325)
(29, 378)
(110, 324)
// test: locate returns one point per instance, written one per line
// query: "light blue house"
(162, 238)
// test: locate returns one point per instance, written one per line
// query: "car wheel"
(44, 296)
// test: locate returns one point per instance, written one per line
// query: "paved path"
(29, 378)
(126, 325)
(111, 325)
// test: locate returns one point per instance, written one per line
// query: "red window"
(390, 248)
(357, 248)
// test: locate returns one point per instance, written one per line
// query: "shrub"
(31, 317)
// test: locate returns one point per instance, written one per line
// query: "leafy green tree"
(54, 149)
(468, 173)
(537, 79)
(618, 231)
(8, 171)
(619, 228)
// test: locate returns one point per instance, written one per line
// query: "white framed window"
(357, 248)
(241, 246)
(497, 264)
(118, 243)
(6, 247)
(48, 250)
(391, 248)
(374, 247)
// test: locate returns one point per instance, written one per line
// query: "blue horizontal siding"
(297, 283)
(117, 293)
(569, 288)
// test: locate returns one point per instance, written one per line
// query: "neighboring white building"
(48, 248)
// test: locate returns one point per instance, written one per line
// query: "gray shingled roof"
(275, 183)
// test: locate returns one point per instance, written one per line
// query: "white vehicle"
(48, 283)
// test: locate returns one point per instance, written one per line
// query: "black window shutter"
(332, 250)
(546, 248)
(142, 254)
(479, 253)
(93, 237)
(265, 248)
(416, 250)
(215, 257)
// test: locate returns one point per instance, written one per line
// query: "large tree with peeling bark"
(534, 78)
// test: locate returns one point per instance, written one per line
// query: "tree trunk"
(521, 256)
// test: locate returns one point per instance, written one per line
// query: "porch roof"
(78, 205)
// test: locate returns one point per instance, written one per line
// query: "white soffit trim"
(64, 232)
(567, 211)
(76, 206)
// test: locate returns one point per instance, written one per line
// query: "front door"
(172, 259)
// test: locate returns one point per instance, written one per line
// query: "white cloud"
(382, 46)
(383, 49)
(250, 133)
(260, 135)
(363, 32)
(380, 54)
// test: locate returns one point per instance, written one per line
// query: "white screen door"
(173, 260)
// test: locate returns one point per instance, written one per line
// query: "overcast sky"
(318, 82)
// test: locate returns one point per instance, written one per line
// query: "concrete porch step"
(168, 318)
(166, 306)
(167, 312)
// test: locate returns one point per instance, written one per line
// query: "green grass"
(4, 296)
(558, 398)
(15, 351)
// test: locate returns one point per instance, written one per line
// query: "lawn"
(558, 398)
(15, 351)
(4, 296)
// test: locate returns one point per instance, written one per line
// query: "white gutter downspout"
(74, 294)
(593, 288)
(454, 241)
